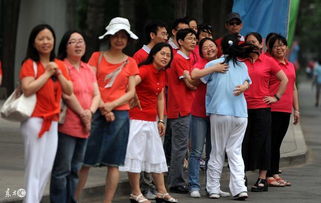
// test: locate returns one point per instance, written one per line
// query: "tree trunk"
(10, 26)
(180, 8)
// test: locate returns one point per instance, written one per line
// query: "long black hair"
(156, 48)
(233, 50)
(62, 50)
(32, 52)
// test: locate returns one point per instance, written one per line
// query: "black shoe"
(179, 189)
(261, 185)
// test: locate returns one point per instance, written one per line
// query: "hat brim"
(116, 29)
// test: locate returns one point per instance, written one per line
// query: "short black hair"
(275, 38)
(181, 34)
(203, 28)
(32, 52)
(62, 50)
(153, 27)
(178, 21)
(256, 35)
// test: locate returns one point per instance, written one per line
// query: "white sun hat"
(117, 24)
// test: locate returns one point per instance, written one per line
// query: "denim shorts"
(107, 142)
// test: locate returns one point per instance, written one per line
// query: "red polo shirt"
(142, 54)
(260, 73)
(198, 106)
(153, 82)
(180, 97)
(286, 101)
(219, 46)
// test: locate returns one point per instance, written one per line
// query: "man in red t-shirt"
(233, 24)
(180, 97)
(155, 32)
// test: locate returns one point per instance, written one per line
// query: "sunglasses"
(234, 23)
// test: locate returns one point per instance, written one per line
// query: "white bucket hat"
(117, 24)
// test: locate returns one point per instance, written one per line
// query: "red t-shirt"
(153, 82)
(49, 95)
(198, 106)
(83, 81)
(180, 97)
(119, 87)
(286, 101)
(141, 55)
(260, 73)
(219, 46)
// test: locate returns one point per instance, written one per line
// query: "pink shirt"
(83, 83)
(260, 73)
(198, 106)
(286, 101)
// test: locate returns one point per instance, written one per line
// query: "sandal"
(274, 183)
(138, 199)
(260, 185)
(282, 181)
(164, 198)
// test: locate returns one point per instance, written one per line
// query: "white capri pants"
(39, 157)
(145, 150)
(227, 134)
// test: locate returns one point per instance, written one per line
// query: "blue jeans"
(64, 176)
(200, 131)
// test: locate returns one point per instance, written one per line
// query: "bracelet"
(276, 97)
(161, 121)
(296, 111)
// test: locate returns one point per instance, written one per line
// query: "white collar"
(182, 54)
(146, 48)
(171, 42)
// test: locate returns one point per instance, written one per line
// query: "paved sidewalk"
(293, 151)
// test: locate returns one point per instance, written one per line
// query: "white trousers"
(227, 134)
(39, 157)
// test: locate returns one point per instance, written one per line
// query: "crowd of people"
(233, 95)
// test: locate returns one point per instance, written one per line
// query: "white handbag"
(18, 107)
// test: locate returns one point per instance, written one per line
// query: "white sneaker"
(224, 194)
(195, 194)
(241, 196)
(214, 196)
(149, 195)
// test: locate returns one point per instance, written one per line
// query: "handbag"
(18, 107)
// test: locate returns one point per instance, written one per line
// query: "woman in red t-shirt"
(74, 131)
(145, 149)
(115, 73)
(281, 110)
(256, 147)
(40, 131)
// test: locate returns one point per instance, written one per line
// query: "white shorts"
(145, 148)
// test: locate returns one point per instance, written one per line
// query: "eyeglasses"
(205, 48)
(73, 42)
(278, 46)
(234, 23)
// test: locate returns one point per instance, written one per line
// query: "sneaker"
(241, 196)
(149, 195)
(224, 194)
(195, 194)
(214, 196)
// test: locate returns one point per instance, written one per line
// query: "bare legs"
(83, 175)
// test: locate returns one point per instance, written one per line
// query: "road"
(305, 178)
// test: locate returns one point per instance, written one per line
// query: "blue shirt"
(220, 99)
(317, 73)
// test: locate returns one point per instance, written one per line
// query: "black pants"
(256, 146)
(279, 127)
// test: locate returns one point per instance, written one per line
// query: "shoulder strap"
(35, 68)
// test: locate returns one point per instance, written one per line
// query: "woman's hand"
(161, 128)
(221, 67)
(135, 102)
(239, 89)
(51, 69)
(85, 118)
(106, 108)
(296, 117)
(269, 99)
(110, 116)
